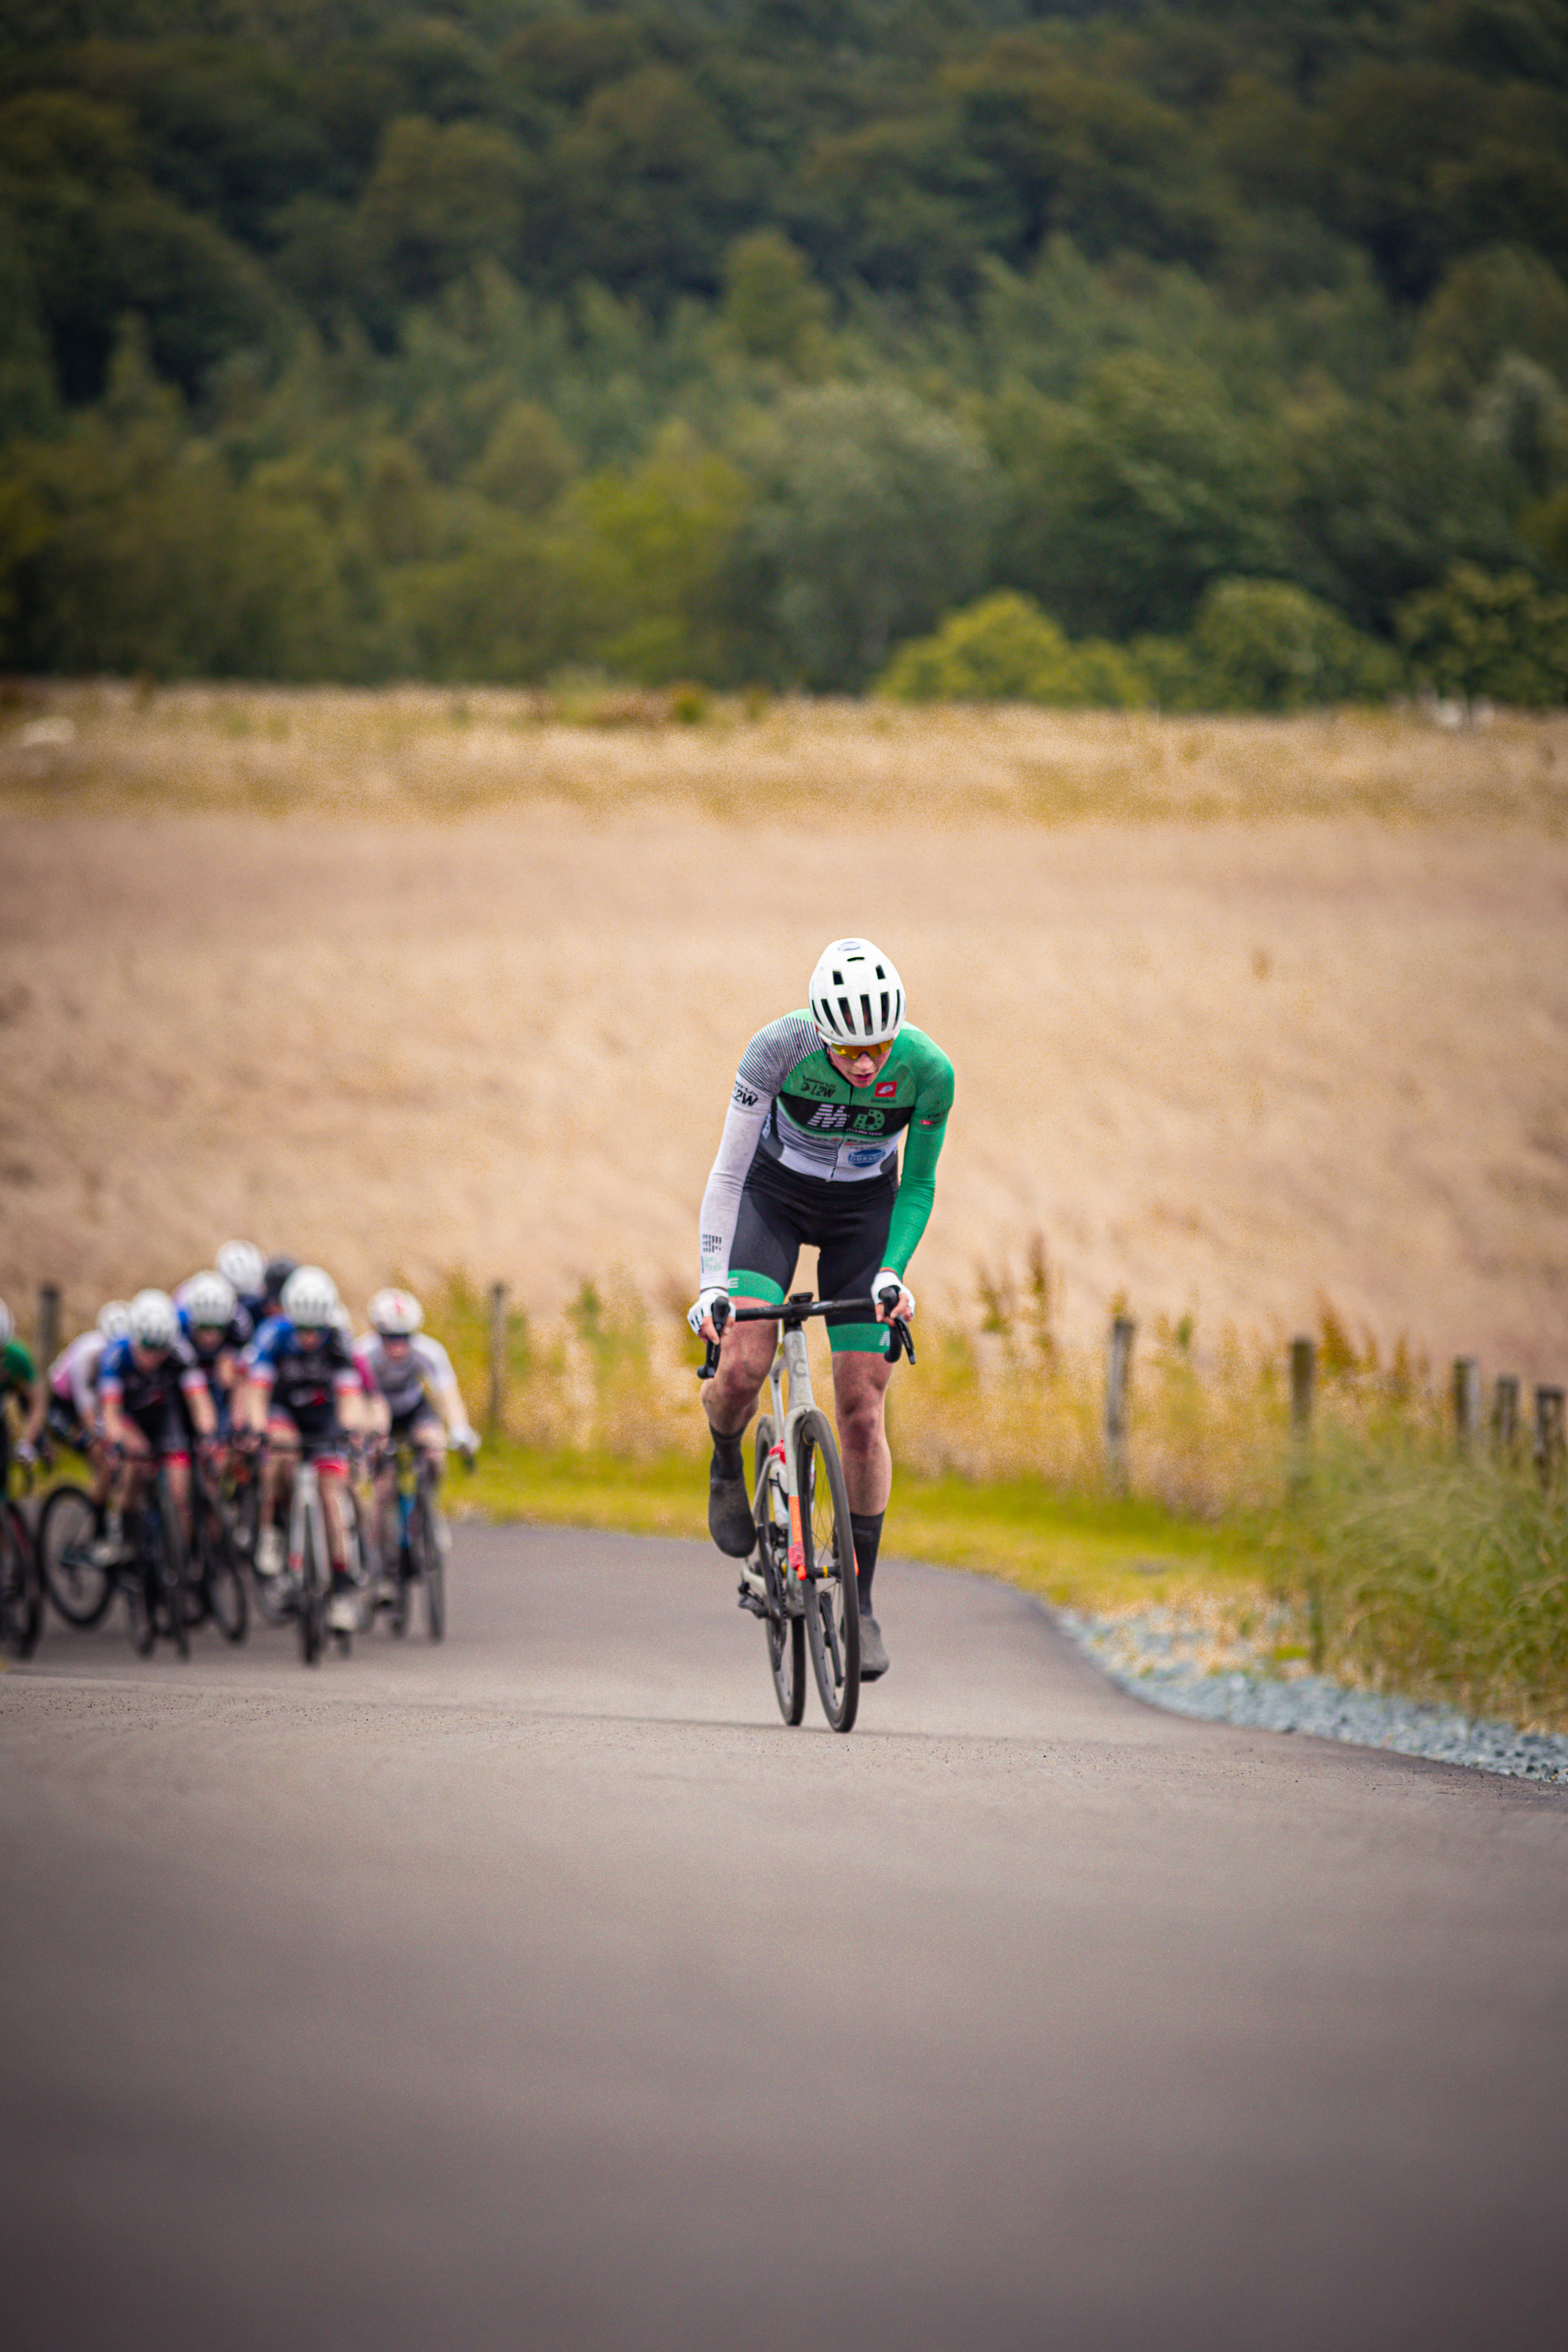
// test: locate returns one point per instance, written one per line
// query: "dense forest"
(1213, 353)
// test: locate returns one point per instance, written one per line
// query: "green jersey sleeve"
(17, 1370)
(923, 1149)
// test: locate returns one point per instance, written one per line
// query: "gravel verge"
(1174, 1661)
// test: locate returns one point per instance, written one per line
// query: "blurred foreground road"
(542, 1990)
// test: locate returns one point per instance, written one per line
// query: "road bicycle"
(21, 1580)
(217, 1585)
(800, 1578)
(310, 1571)
(422, 1542)
(156, 1579)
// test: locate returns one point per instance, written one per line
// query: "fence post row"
(1118, 1366)
(498, 1357)
(1505, 1416)
(48, 1324)
(1467, 1402)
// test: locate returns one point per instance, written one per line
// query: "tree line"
(1209, 355)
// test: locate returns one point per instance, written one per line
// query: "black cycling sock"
(728, 1459)
(866, 1527)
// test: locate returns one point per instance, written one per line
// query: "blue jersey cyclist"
(151, 1392)
(244, 1268)
(809, 1156)
(218, 1329)
(302, 1384)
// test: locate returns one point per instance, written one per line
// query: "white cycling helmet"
(208, 1302)
(242, 1265)
(856, 998)
(114, 1318)
(311, 1298)
(152, 1319)
(396, 1313)
(7, 1324)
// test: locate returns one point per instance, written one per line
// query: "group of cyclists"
(261, 1356)
(252, 1357)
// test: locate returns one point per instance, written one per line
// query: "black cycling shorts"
(322, 1435)
(783, 1212)
(166, 1428)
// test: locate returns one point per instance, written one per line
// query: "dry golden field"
(1243, 1012)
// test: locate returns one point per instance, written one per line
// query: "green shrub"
(1005, 649)
(1264, 645)
(1483, 633)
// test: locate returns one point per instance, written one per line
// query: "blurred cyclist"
(302, 1384)
(219, 1330)
(244, 1268)
(74, 1414)
(405, 1369)
(152, 1390)
(19, 1378)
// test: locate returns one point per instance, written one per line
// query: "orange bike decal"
(796, 1546)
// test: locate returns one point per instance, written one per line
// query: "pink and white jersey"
(73, 1375)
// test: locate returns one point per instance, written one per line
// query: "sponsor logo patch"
(884, 1087)
(865, 1157)
(744, 1096)
(830, 1114)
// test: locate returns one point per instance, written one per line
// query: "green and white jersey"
(793, 1106)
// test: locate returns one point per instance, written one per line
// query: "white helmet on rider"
(7, 1324)
(209, 1302)
(152, 1319)
(396, 1313)
(242, 1265)
(857, 997)
(114, 1317)
(311, 1298)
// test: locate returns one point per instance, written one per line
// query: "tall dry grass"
(1401, 1565)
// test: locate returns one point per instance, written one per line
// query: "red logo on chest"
(884, 1086)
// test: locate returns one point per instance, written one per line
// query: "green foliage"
(497, 337)
(877, 514)
(1005, 649)
(1481, 634)
(1265, 644)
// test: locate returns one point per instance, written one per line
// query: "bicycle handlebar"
(800, 1309)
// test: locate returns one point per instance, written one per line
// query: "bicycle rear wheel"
(424, 1542)
(80, 1588)
(21, 1584)
(786, 1635)
(832, 1601)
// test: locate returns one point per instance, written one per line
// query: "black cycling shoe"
(729, 1520)
(873, 1650)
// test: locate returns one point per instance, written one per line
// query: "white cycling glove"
(466, 1441)
(697, 1315)
(884, 1279)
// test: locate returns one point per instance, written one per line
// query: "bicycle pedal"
(752, 1601)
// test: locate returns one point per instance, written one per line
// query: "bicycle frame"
(791, 1362)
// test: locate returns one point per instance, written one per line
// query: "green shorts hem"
(843, 1338)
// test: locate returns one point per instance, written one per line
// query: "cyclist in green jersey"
(809, 1155)
(19, 1379)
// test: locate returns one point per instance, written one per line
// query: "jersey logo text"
(830, 1114)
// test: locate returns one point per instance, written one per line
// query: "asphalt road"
(544, 1990)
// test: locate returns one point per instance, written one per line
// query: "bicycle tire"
(221, 1584)
(311, 1606)
(21, 1584)
(79, 1589)
(832, 1599)
(141, 1608)
(786, 1635)
(424, 1539)
(174, 1574)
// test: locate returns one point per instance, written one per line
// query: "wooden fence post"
(1119, 1365)
(1467, 1402)
(498, 1358)
(1505, 1417)
(48, 1324)
(1548, 1433)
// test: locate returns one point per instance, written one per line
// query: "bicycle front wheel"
(832, 1601)
(21, 1585)
(425, 1541)
(311, 1600)
(80, 1586)
(178, 1599)
(786, 1635)
(222, 1585)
